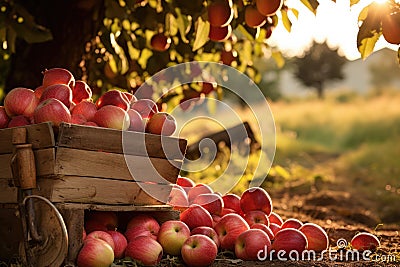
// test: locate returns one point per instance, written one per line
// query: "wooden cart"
(78, 169)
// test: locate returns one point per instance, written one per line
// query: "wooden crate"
(82, 164)
(11, 233)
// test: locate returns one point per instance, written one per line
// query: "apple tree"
(319, 66)
(121, 43)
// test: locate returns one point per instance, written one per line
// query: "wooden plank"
(241, 135)
(115, 166)
(8, 194)
(110, 207)
(44, 159)
(115, 141)
(40, 135)
(103, 191)
(74, 221)
(11, 234)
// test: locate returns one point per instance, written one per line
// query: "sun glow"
(337, 23)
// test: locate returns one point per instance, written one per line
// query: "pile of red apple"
(61, 98)
(209, 223)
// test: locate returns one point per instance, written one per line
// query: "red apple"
(275, 228)
(185, 182)
(229, 228)
(39, 91)
(249, 243)
(113, 97)
(196, 216)
(136, 122)
(136, 231)
(256, 198)
(220, 13)
(78, 119)
(81, 91)
(212, 202)
(95, 253)
(198, 189)
(216, 219)
(19, 120)
(227, 211)
(365, 241)
(145, 250)
(20, 101)
(86, 108)
(146, 107)
(317, 238)
(161, 123)
(198, 251)
(172, 235)
(232, 201)
(144, 220)
(178, 198)
(256, 216)
(58, 76)
(90, 123)
(101, 220)
(58, 91)
(120, 243)
(292, 223)
(275, 218)
(103, 235)
(207, 231)
(288, 240)
(52, 110)
(131, 98)
(220, 34)
(265, 228)
(142, 225)
(160, 42)
(112, 117)
(4, 119)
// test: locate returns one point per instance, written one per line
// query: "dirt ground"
(340, 210)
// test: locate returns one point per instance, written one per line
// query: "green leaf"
(171, 25)
(286, 21)
(354, 2)
(32, 33)
(26, 27)
(279, 59)
(370, 30)
(202, 31)
(312, 5)
(366, 45)
(246, 34)
(11, 37)
(184, 24)
(295, 12)
(144, 56)
(133, 52)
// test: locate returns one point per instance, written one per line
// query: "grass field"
(350, 141)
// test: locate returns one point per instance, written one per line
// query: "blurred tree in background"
(319, 66)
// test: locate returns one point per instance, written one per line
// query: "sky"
(335, 22)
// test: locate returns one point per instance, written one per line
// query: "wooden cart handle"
(23, 160)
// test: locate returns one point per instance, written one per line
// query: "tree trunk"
(72, 23)
(320, 90)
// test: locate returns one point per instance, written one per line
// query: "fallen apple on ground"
(172, 235)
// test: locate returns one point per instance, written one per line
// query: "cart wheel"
(53, 248)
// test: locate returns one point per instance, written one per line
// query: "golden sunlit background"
(336, 22)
